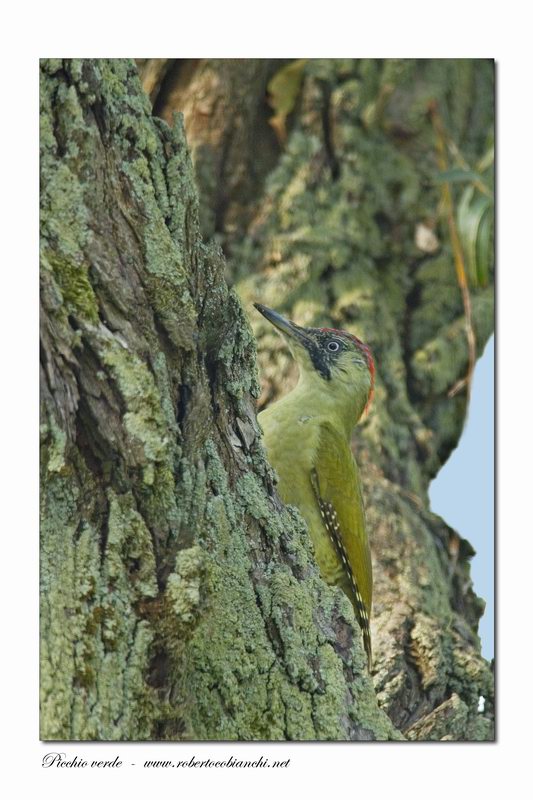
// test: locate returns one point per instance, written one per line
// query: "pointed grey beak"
(284, 325)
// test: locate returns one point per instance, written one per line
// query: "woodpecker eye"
(333, 347)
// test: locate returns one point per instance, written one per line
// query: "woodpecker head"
(334, 361)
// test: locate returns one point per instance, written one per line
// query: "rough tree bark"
(328, 234)
(223, 102)
(180, 599)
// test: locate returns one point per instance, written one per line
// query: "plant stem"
(458, 255)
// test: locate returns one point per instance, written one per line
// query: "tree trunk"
(180, 599)
(225, 112)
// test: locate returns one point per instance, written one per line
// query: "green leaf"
(486, 161)
(283, 91)
(485, 247)
(474, 222)
(457, 175)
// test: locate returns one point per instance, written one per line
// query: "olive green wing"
(336, 483)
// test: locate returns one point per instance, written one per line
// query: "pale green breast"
(291, 439)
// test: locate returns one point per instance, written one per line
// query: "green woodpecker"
(307, 436)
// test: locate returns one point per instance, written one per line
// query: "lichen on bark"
(180, 599)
